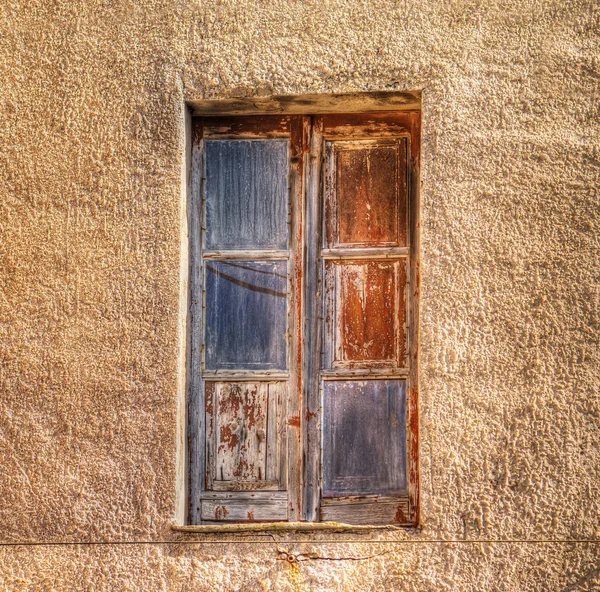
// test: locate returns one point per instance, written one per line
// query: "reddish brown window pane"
(367, 301)
(367, 194)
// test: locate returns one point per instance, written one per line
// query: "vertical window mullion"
(312, 323)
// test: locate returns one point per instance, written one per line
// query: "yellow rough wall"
(91, 142)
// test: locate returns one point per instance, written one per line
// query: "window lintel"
(313, 104)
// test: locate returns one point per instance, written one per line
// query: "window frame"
(311, 129)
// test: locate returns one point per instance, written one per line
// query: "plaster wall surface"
(91, 147)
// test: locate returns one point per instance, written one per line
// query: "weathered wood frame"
(390, 116)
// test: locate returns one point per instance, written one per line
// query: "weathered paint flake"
(365, 195)
(244, 435)
(241, 432)
(366, 312)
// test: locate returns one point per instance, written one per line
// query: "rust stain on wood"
(367, 205)
(366, 200)
(241, 419)
(197, 134)
(365, 313)
(368, 307)
(228, 438)
(209, 399)
(400, 517)
(244, 437)
(382, 101)
(365, 125)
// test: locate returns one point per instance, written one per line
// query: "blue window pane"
(246, 194)
(364, 437)
(246, 315)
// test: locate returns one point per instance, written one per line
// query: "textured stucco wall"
(91, 139)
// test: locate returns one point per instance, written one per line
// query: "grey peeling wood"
(246, 315)
(246, 375)
(274, 410)
(245, 255)
(364, 438)
(235, 486)
(312, 329)
(195, 392)
(281, 440)
(245, 495)
(360, 145)
(209, 434)
(353, 500)
(368, 513)
(246, 194)
(310, 104)
(365, 373)
(244, 510)
(366, 132)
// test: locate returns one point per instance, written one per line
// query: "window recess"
(302, 401)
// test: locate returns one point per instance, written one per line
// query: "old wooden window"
(304, 272)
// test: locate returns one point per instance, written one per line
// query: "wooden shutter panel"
(244, 388)
(365, 279)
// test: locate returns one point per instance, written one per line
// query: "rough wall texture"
(91, 125)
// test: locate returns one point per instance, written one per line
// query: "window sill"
(281, 527)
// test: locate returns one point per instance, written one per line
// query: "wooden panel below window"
(245, 434)
(243, 510)
(366, 510)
